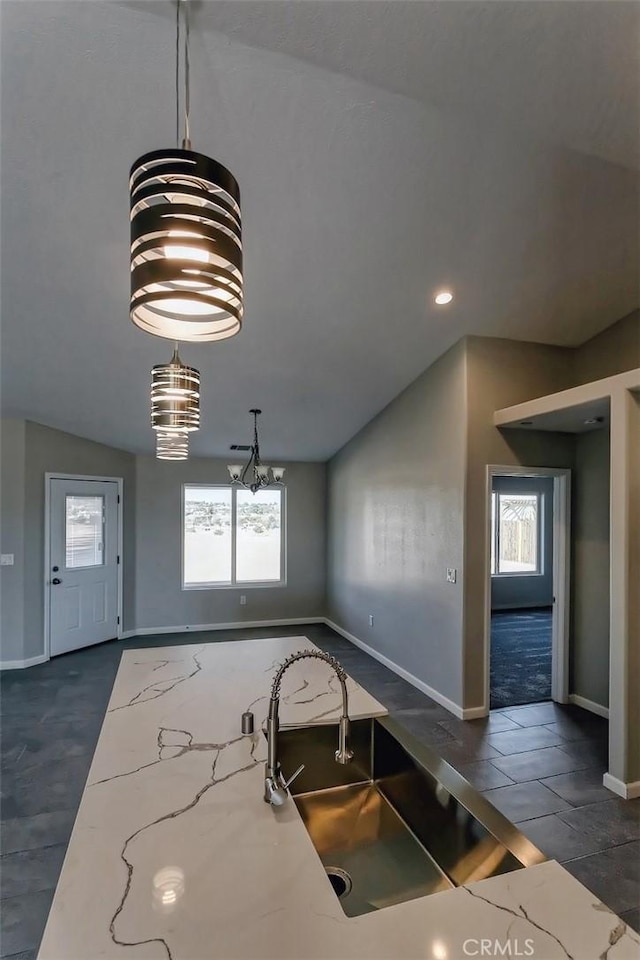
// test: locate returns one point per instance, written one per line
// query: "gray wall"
(508, 592)
(589, 650)
(613, 351)
(52, 451)
(12, 466)
(160, 600)
(633, 674)
(396, 501)
(153, 596)
(501, 373)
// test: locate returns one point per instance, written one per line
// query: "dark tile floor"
(540, 764)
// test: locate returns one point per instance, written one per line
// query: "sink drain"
(340, 881)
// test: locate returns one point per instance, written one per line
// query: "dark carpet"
(520, 657)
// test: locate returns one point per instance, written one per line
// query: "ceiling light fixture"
(186, 235)
(173, 445)
(445, 296)
(258, 471)
(175, 396)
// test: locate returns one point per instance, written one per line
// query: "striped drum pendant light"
(186, 247)
(186, 235)
(175, 396)
(172, 446)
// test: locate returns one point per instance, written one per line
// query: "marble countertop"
(175, 855)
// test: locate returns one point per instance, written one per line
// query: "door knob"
(56, 580)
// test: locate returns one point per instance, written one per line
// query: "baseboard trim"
(474, 713)
(454, 708)
(628, 791)
(238, 625)
(21, 664)
(589, 705)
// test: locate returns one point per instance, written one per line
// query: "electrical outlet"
(6, 559)
(243, 600)
(452, 574)
(370, 619)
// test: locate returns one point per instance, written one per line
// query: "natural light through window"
(232, 537)
(515, 527)
(84, 531)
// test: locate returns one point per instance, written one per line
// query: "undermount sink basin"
(398, 822)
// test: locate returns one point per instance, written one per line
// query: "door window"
(84, 531)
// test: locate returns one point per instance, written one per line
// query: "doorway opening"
(82, 561)
(527, 586)
(521, 590)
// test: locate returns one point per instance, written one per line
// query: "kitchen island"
(175, 854)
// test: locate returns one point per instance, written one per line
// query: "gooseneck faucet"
(275, 787)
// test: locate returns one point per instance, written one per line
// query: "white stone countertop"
(175, 856)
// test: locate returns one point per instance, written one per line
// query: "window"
(515, 529)
(84, 531)
(232, 537)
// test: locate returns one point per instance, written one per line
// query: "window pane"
(84, 531)
(494, 534)
(207, 535)
(518, 535)
(258, 535)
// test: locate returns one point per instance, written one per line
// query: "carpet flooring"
(520, 657)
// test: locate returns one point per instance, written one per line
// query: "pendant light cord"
(186, 139)
(187, 77)
(177, 73)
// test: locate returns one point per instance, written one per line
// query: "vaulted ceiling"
(383, 150)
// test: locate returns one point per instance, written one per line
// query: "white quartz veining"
(174, 853)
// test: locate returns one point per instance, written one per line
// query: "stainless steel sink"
(398, 822)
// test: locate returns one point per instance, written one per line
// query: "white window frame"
(495, 534)
(236, 584)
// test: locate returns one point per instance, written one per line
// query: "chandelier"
(255, 475)
(186, 235)
(175, 396)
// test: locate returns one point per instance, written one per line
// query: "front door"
(83, 558)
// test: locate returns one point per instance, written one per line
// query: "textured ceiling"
(383, 150)
(567, 71)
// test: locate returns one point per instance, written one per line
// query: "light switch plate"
(6, 560)
(452, 574)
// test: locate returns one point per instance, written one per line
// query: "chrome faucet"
(275, 787)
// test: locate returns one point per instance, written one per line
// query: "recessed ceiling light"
(593, 420)
(445, 296)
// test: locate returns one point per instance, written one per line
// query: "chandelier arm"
(247, 465)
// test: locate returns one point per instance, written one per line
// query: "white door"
(83, 557)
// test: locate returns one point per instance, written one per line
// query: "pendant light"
(175, 396)
(186, 235)
(172, 446)
(257, 470)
